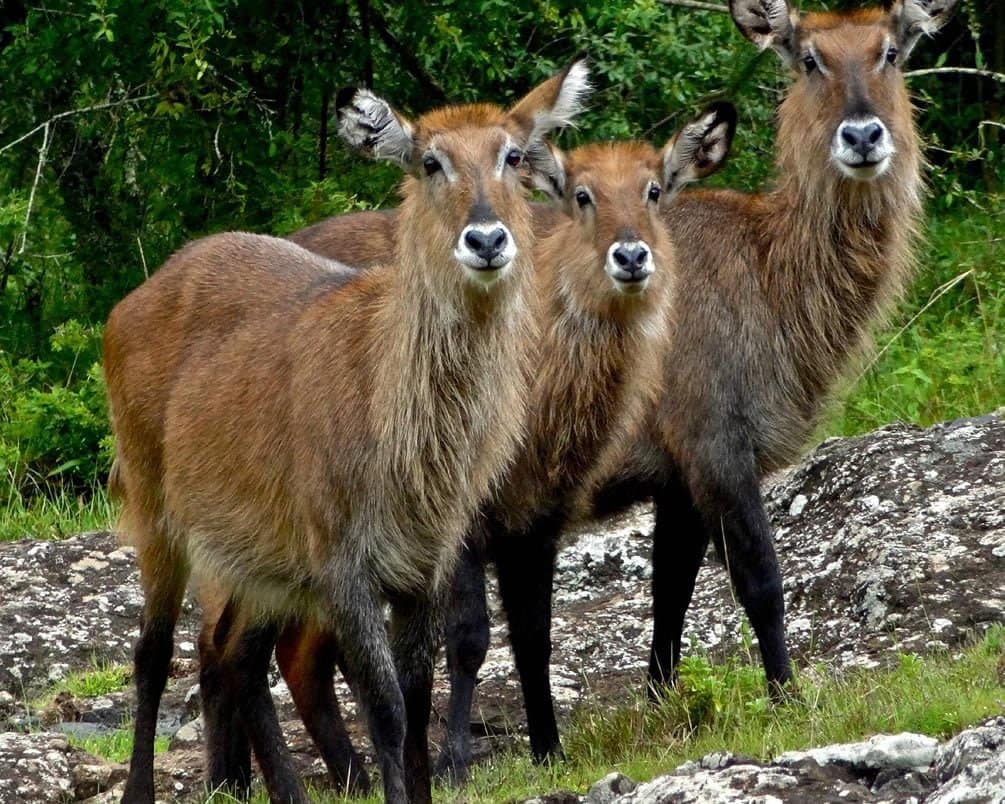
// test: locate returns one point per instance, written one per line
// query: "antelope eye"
(431, 164)
(891, 55)
(809, 63)
(514, 157)
(583, 198)
(654, 192)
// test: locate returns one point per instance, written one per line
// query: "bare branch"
(97, 107)
(720, 7)
(42, 152)
(143, 257)
(961, 70)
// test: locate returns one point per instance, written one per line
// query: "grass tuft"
(114, 746)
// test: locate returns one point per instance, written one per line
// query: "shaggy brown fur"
(777, 294)
(314, 439)
(596, 362)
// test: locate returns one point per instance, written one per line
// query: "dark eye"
(891, 55)
(583, 198)
(431, 164)
(654, 192)
(514, 157)
(809, 63)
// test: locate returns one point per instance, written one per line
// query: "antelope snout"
(862, 147)
(630, 264)
(485, 249)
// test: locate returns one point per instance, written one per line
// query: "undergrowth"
(723, 707)
(942, 356)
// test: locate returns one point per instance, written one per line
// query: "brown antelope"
(603, 272)
(315, 440)
(777, 294)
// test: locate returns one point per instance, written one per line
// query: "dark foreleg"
(416, 626)
(729, 498)
(358, 624)
(467, 640)
(526, 567)
(679, 544)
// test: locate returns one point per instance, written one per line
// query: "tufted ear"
(546, 169)
(767, 23)
(369, 124)
(912, 18)
(553, 103)
(700, 148)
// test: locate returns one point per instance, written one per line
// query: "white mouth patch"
(862, 148)
(485, 250)
(630, 275)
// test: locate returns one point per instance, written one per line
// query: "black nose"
(487, 245)
(631, 258)
(862, 138)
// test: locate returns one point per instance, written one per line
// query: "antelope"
(315, 440)
(604, 272)
(777, 294)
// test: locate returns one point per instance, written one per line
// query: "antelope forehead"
(848, 46)
(473, 146)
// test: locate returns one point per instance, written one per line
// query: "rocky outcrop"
(891, 542)
(886, 768)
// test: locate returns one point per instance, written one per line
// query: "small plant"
(115, 746)
(103, 678)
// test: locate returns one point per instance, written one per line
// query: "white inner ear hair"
(369, 123)
(569, 103)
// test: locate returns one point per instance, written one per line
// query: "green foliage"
(53, 419)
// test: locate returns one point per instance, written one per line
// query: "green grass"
(115, 746)
(722, 707)
(103, 678)
(54, 517)
(943, 355)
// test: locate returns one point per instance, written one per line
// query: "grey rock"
(68, 604)
(981, 783)
(35, 767)
(90, 779)
(969, 748)
(609, 788)
(883, 752)
(189, 735)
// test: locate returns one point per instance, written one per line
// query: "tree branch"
(962, 70)
(42, 152)
(70, 113)
(408, 61)
(719, 7)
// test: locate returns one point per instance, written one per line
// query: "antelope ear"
(553, 103)
(700, 148)
(546, 169)
(767, 23)
(912, 18)
(369, 124)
